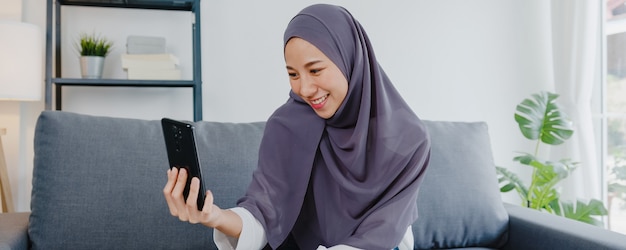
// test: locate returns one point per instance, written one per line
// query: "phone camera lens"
(178, 133)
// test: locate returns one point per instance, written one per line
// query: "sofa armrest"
(14, 231)
(532, 229)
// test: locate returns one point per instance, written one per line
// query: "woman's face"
(314, 77)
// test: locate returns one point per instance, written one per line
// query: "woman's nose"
(308, 86)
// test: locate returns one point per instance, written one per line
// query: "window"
(611, 118)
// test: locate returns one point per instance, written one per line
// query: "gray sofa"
(97, 184)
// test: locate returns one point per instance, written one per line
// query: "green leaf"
(525, 159)
(584, 212)
(545, 177)
(556, 207)
(511, 181)
(562, 168)
(542, 196)
(93, 45)
(541, 118)
(507, 188)
(548, 171)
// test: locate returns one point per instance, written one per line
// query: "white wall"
(451, 60)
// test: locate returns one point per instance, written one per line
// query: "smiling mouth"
(319, 100)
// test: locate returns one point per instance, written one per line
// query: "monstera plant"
(541, 119)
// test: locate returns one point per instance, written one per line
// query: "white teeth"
(319, 100)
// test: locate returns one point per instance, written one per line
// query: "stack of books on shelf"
(146, 59)
(151, 66)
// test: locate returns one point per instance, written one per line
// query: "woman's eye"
(293, 75)
(315, 71)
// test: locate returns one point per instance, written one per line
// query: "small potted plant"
(93, 49)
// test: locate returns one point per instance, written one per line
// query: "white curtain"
(575, 40)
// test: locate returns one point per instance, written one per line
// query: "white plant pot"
(91, 67)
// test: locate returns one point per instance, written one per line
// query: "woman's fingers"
(192, 200)
(177, 195)
(208, 202)
(172, 174)
(187, 210)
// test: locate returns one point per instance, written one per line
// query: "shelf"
(186, 5)
(53, 48)
(122, 82)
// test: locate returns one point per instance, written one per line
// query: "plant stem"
(537, 147)
(531, 188)
(533, 182)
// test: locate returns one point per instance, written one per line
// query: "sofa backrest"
(459, 203)
(97, 184)
(98, 181)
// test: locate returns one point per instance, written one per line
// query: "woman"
(340, 163)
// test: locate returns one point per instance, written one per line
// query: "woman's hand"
(188, 210)
(211, 215)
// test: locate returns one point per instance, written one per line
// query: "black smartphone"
(182, 152)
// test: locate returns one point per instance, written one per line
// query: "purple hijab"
(359, 170)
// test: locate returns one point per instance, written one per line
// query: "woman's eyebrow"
(306, 65)
(311, 63)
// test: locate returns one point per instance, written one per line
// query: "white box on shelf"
(153, 61)
(153, 74)
(145, 45)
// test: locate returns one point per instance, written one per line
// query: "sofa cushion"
(97, 181)
(459, 203)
